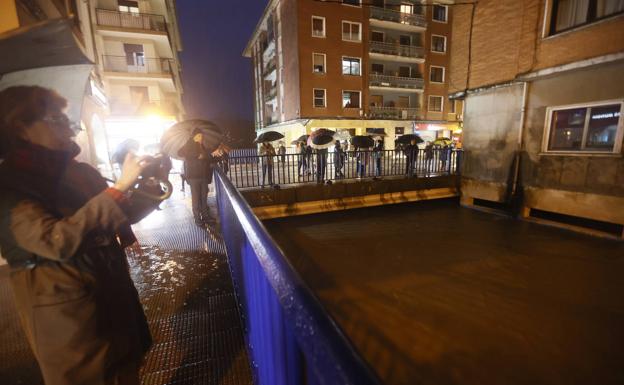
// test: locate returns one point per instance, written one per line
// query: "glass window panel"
(319, 63)
(438, 43)
(439, 13)
(351, 99)
(570, 13)
(566, 132)
(609, 7)
(377, 68)
(318, 26)
(602, 129)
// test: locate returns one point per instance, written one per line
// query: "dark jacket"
(197, 161)
(70, 277)
(411, 151)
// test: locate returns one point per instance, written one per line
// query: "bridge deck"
(431, 293)
(183, 279)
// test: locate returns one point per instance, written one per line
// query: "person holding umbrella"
(378, 154)
(266, 153)
(198, 164)
(63, 232)
(411, 154)
(338, 160)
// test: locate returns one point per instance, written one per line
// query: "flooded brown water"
(432, 293)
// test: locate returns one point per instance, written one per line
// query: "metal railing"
(396, 49)
(398, 17)
(394, 112)
(270, 93)
(131, 20)
(269, 66)
(378, 80)
(250, 171)
(291, 338)
(147, 65)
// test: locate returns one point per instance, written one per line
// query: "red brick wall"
(507, 41)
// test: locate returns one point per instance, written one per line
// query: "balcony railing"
(270, 93)
(144, 21)
(143, 65)
(377, 80)
(398, 17)
(395, 112)
(269, 66)
(397, 49)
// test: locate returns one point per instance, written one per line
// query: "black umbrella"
(269, 136)
(180, 133)
(407, 139)
(362, 141)
(321, 138)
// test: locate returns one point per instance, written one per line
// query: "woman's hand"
(130, 171)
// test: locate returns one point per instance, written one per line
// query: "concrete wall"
(601, 174)
(491, 129)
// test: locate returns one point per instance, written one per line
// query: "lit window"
(350, 66)
(407, 8)
(435, 103)
(319, 63)
(567, 14)
(318, 26)
(438, 43)
(440, 13)
(436, 74)
(585, 129)
(351, 99)
(351, 31)
(319, 98)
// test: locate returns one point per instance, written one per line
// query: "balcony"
(378, 81)
(269, 67)
(388, 18)
(396, 52)
(129, 20)
(270, 94)
(138, 65)
(398, 113)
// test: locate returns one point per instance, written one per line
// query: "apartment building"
(362, 68)
(544, 94)
(137, 44)
(134, 89)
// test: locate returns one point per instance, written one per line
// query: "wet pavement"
(184, 282)
(432, 293)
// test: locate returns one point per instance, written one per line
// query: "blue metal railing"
(292, 339)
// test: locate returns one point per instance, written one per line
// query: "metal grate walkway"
(182, 276)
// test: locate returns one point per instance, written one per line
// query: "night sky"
(217, 79)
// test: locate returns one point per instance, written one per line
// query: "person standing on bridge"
(321, 165)
(63, 232)
(266, 153)
(338, 160)
(411, 155)
(302, 164)
(198, 172)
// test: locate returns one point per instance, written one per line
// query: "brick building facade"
(543, 92)
(353, 66)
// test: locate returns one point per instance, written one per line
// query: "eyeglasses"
(62, 120)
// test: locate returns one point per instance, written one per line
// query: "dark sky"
(216, 77)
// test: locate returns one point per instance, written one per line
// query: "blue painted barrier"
(292, 339)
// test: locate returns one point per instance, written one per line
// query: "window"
(135, 56)
(318, 26)
(405, 40)
(407, 8)
(451, 104)
(436, 74)
(351, 31)
(593, 128)
(351, 99)
(377, 36)
(128, 6)
(435, 103)
(351, 2)
(319, 98)
(318, 60)
(350, 66)
(377, 68)
(440, 13)
(438, 43)
(567, 14)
